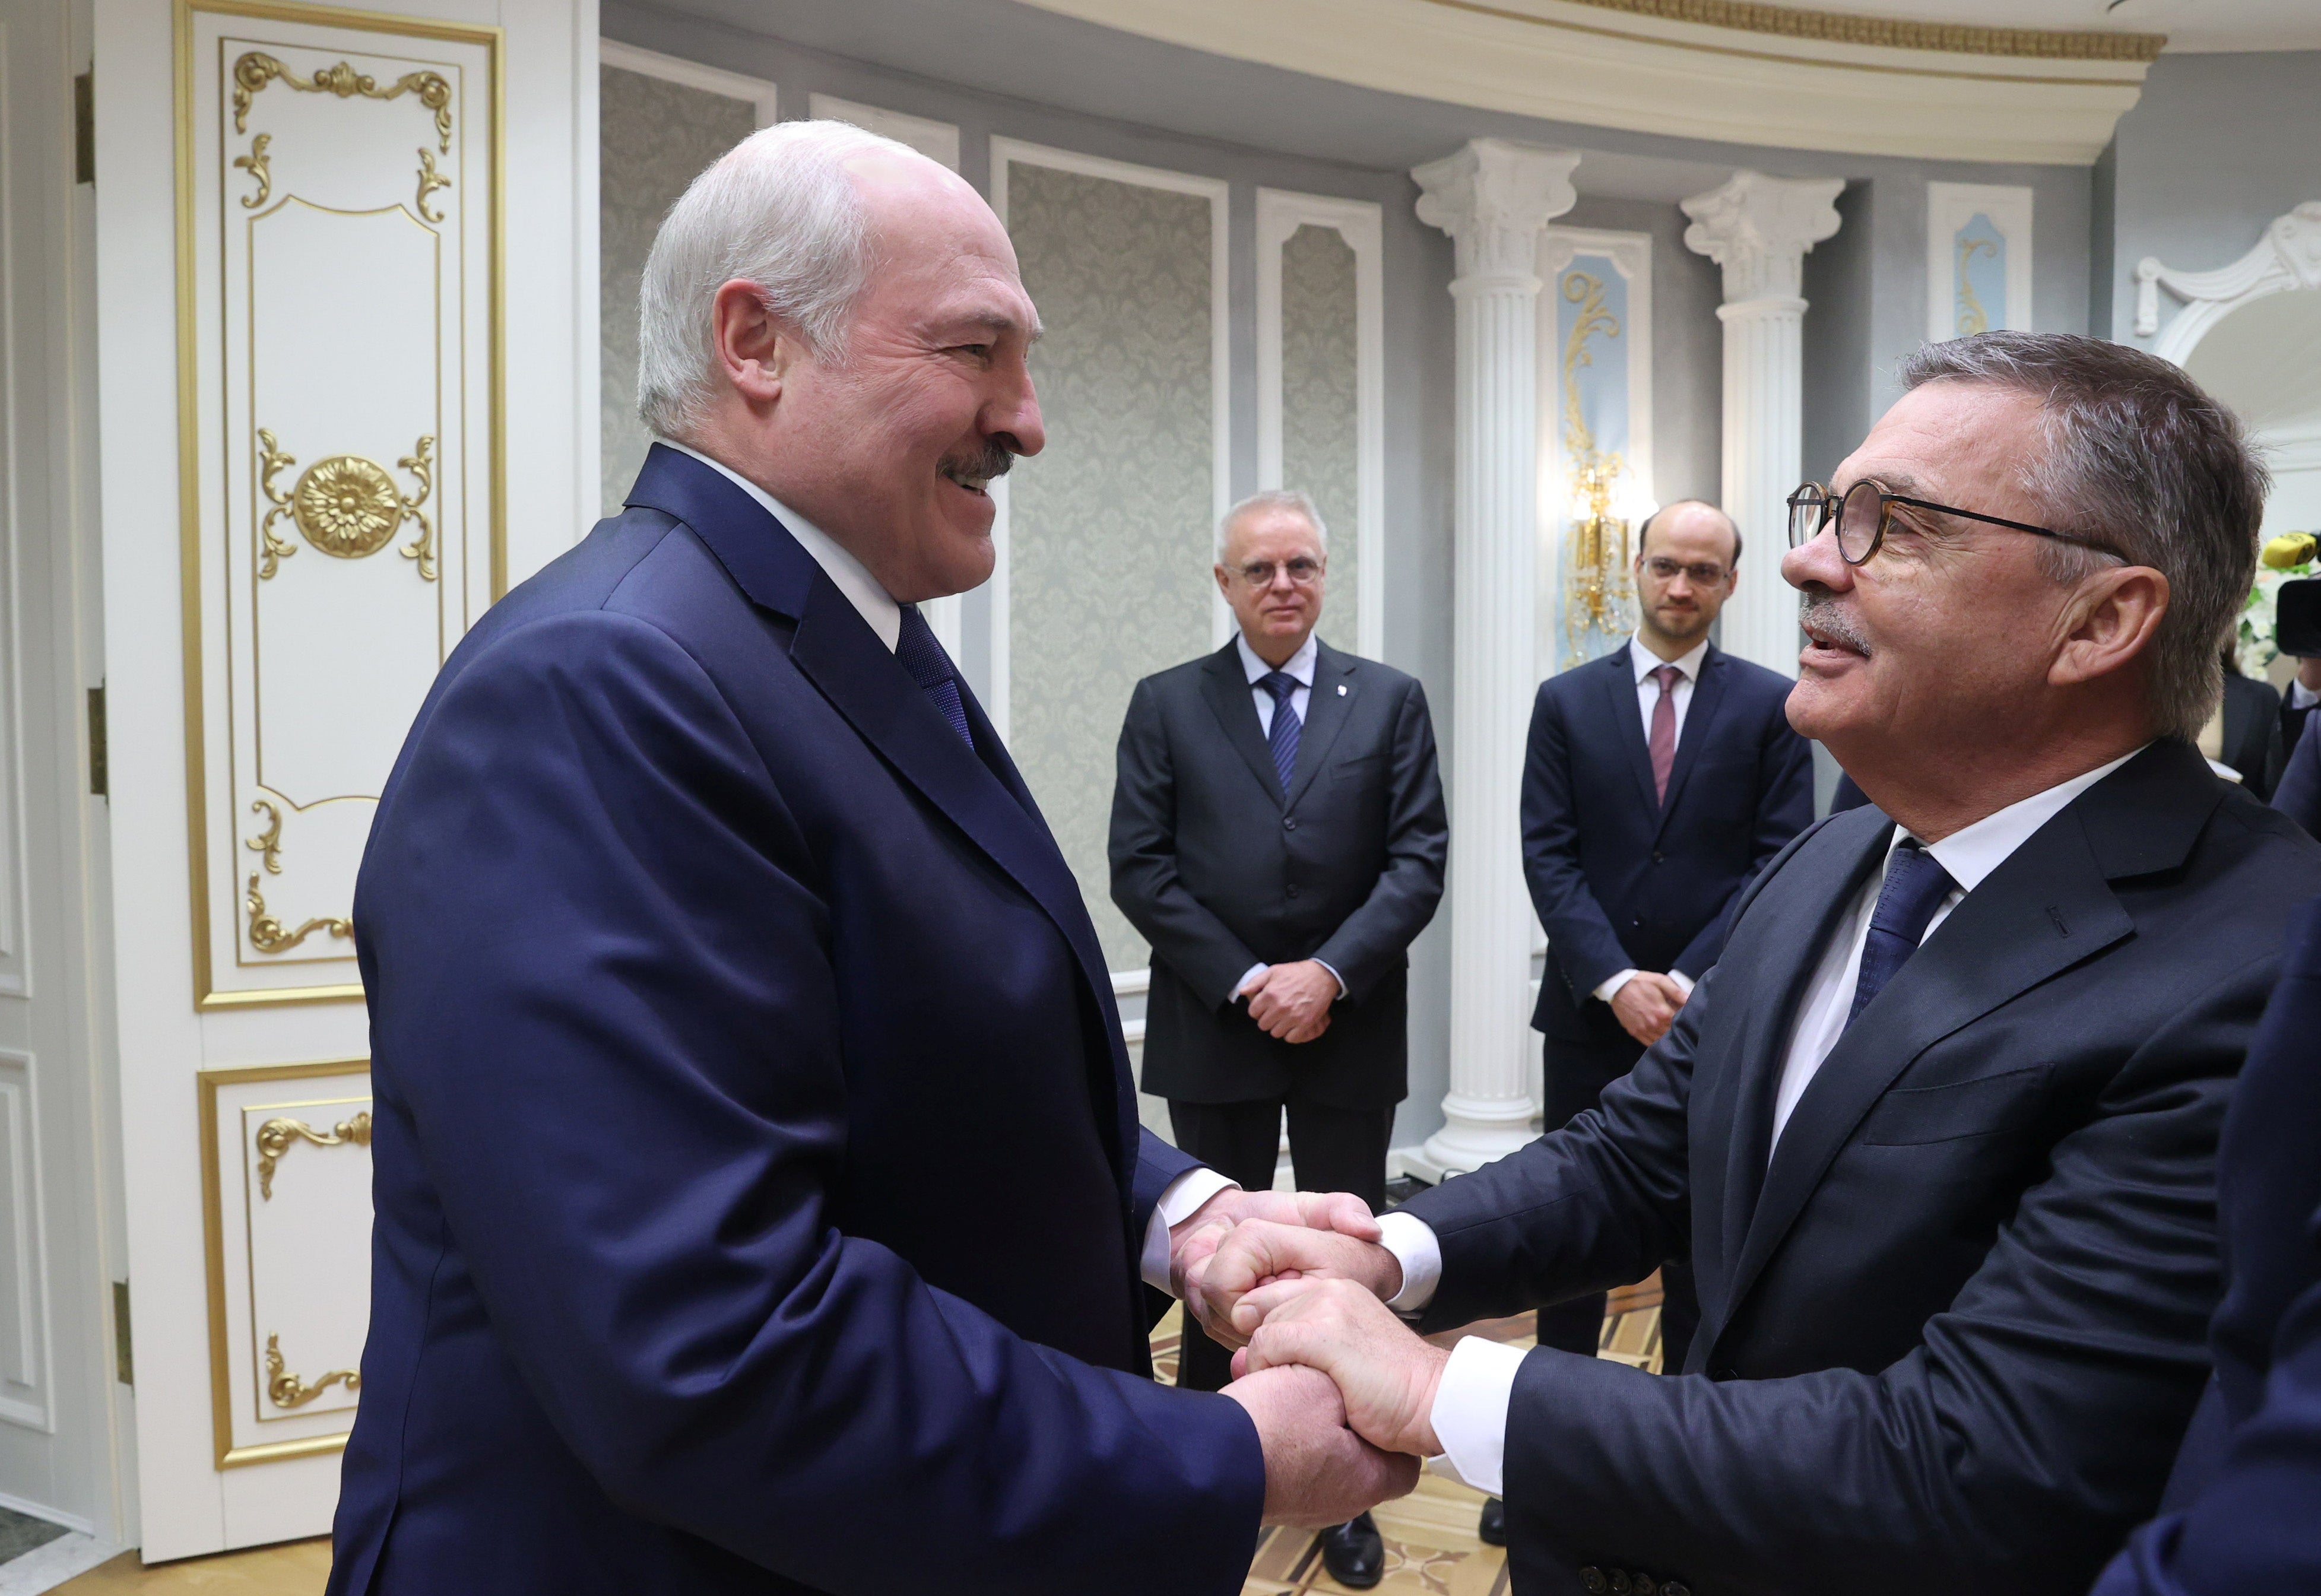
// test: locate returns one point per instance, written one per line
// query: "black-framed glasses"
(1864, 512)
(1707, 574)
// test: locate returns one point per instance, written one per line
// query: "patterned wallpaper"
(1109, 529)
(1321, 422)
(654, 137)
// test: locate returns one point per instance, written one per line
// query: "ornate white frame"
(1950, 206)
(2288, 256)
(1280, 214)
(733, 86)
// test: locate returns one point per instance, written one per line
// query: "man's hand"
(1646, 1005)
(1293, 1000)
(1193, 1238)
(1259, 1252)
(1385, 1375)
(1318, 1472)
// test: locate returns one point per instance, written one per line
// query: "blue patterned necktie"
(1916, 886)
(931, 668)
(1283, 737)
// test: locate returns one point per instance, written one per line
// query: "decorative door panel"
(338, 204)
(286, 1196)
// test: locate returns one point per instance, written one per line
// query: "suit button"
(1658, 857)
(1290, 823)
(1673, 1589)
(1622, 1585)
(1293, 889)
(1645, 1587)
(1593, 1580)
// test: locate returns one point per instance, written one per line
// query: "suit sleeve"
(1784, 809)
(2298, 796)
(2007, 1453)
(605, 928)
(1581, 940)
(1372, 941)
(1145, 885)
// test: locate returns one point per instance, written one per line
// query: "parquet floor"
(1431, 1549)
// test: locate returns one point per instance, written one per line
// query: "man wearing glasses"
(1278, 835)
(1939, 1131)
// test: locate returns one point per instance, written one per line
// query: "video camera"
(2296, 618)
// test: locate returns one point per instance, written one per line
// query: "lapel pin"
(1342, 690)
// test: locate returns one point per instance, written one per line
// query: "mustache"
(994, 459)
(1822, 617)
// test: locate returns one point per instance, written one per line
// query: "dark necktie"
(1283, 737)
(931, 668)
(1663, 737)
(1916, 886)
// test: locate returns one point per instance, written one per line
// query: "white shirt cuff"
(1248, 976)
(1341, 980)
(1471, 1413)
(1613, 985)
(2300, 696)
(1683, 981)
(1412, 1242)
(1181, 1199)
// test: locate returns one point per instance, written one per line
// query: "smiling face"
(1938, 652)
(1277, 612)
(890, 448)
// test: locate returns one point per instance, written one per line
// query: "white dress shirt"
(1648, 700)
(1471, 1404)
(1300, 666)
(1185, 1194)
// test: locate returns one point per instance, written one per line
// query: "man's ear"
(754, 348)
(2109, 622)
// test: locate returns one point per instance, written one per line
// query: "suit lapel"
(1699, 726)
(2044, 910)
(1227, 691)
(1618, 678)
(1327, 705)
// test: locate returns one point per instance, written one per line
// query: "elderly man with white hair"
(762, 1205)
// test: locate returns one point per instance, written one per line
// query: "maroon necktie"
(1663, 738)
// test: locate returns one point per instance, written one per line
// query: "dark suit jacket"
(2251, 743)
(1621, 880)
(726, 1011)
(1950, 1339)
(2297, 794)
(1219, 869)
(2246, 1492)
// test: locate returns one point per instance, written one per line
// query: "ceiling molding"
(1843, 27)
(1645, 66)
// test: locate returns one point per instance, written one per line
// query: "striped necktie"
(931, 668)
(1282, 740)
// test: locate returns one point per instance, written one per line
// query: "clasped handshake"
(1341, 1390)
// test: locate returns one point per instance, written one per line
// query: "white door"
(340, 371)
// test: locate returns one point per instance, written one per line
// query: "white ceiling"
(2190, 25)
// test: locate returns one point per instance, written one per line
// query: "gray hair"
(1275, 498)
(778, 210)
(2142, 462)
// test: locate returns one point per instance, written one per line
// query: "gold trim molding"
(286, 1390)
(1843, 27)
(270, 935)
(278, 1136)
(256, 69)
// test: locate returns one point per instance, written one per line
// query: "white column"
(1759, 229)
(1493, 198)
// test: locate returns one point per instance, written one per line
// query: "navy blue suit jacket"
(1953, 1322)
(2246, 1492)
(1621, 880)
(758, 1183)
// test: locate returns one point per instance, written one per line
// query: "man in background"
(1659, 781)
(1278, 836)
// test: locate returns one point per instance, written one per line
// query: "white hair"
(778, 210)
(1275, 498)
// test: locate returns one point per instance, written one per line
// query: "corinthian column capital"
(1759, 228)
(1493, 197)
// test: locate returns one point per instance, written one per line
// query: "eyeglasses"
(1704, 575)
(1864, 512)
(1260, 573)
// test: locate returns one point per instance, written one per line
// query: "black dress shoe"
(1354, 1553)
(1493, 1531)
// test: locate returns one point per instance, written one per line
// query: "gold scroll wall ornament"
(256, 69)
(346, 505)
(421, 462)
(1598, 589)
(270, 935)
(430, 180)
(256, 163)
(274, 549)
(278, 1135)
(1971, 317)
(286, 1390)
(268, 842)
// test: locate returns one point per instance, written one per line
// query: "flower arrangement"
(2284, 558)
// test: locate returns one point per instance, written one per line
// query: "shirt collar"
(1299, 664)
(1646, 662)
(1972, 852)
(848, 575)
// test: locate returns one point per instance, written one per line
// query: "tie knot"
(1915, 885)
(1281, 683)
(920, 652)
(1667, 676)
